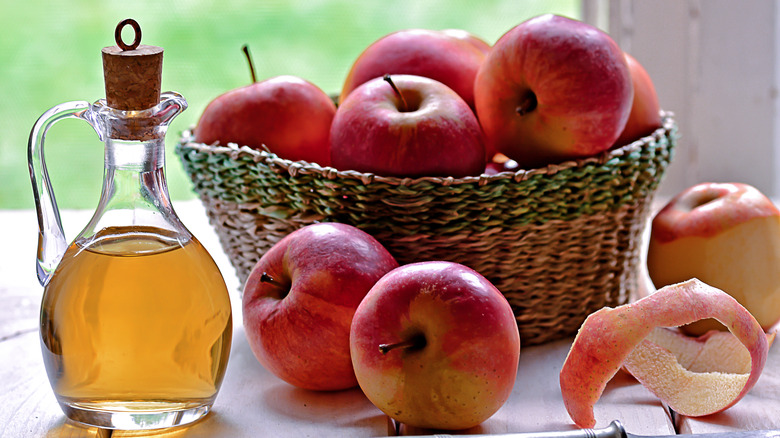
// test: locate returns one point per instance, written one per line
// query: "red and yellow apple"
(451, 57)
(611, 338)
(287, 114)
(435, 345)
(407, 126)
(726, 235)
(300, 297)
(645, 115)
(553, 89)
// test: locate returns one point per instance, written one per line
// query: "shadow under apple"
(347, 408)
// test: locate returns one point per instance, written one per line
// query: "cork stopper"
(132, 73)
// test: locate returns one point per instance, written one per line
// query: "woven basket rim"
(329, 172)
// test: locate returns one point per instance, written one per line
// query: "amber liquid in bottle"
(136, 321)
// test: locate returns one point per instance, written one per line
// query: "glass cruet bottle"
(135, 320)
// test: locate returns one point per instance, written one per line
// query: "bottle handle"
(51, 236)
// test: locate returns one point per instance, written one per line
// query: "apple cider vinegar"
(136, 320)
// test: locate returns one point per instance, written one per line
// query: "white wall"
(715, 65)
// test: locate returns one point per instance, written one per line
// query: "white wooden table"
(253, 402)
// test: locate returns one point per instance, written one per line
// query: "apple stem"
(245, 48)
(397, 92)
(528, 104)
(266, 278)
(414, 343)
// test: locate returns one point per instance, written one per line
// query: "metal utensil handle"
(614, 430)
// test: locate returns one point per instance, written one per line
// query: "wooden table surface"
(253, 402)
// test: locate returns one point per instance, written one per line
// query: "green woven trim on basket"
(285, 189)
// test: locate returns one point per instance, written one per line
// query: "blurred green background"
(50, 53)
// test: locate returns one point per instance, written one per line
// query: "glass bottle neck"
(135, 192)
(134, 156)
(134, 176)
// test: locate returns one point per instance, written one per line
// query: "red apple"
(483, 47)
(470, 38)
(645, 115)
(299, 300)
(726, 235)
(553, 89)
(407, 126)
(435, 345)
(451, 57)
(287, 114)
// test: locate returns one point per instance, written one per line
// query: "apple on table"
(435, 345)
(553, 89)
(406, 126)
(726, 235)
(287, 114)
(300, 297)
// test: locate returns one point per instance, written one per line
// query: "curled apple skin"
(609, 336)
(693, 376)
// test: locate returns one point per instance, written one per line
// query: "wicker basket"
(560, 242)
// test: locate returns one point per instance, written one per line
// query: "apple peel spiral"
(689, 374)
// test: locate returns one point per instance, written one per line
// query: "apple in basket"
(406, 126)
(464, 35)
(287, 114)
(300, 297)
(451, 57)
(726, 235)
(645, 115)
(435, 345)
(553, 89)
